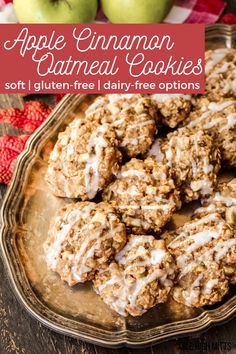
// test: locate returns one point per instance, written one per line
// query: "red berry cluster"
(10, 148)
(29, 118)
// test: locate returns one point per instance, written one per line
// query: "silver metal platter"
(78, 311)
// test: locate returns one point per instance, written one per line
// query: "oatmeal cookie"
(219, 120)
(141, 277)
(83, 160)
(83, 238)
(222, 201)
(220, 70)
(144, 195)
(205, 254)
(174, 108)
(193, 159)
(132, 116)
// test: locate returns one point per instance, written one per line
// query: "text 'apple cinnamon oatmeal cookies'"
(218, 119)
(132, 116)
(205, 254)
(174, 108)
(83, 160)
(222, 201)
(193, 160)
(144, 195)
(220, 71)
(83, 238)
(141, 276)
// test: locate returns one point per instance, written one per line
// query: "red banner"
(102, 58)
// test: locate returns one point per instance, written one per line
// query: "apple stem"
(66, 1)
(68, 4)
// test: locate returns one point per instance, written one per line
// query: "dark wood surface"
(231, 6)
(21, 334)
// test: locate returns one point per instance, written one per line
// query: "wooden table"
(21, 334)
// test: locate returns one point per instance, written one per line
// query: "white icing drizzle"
(70, 152)
(93, 110)
(163, 206)
(232, 183)
(157, 256)
(120, 301)
(118, 122)
(133, 173)
(91, 242)
(207, 209)
(205, 186)
(114, 98)
(132, 141)
(156, 204)
(229, 85)
(91, 173)
(217, 107)
(209, 286)
(194, 291)
(197, 120)
(53, 251)
(228, 201)
(169, 152)
(222, 248)
(213, 108)
(223, 68)
(194, 168)
(233, 85)
(218, 55)
(111, 281)
(132, 243)
(219, 64)
(220, 70)
(140, 283)
(212, 123)
(205, 220)
(116, 107)
(156, 151)
(87, 250)
(162, 98)
(129, 291)
(140, 124)
(199, 240)
(231, 122)
(75, 126)
(129, 207)
(207, 168)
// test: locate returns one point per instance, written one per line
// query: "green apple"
(56, 11)
(136, 11)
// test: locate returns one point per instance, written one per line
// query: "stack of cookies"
(131, 162)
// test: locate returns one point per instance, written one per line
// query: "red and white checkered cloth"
(183, 11)
(7, 13)
(196, 11)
